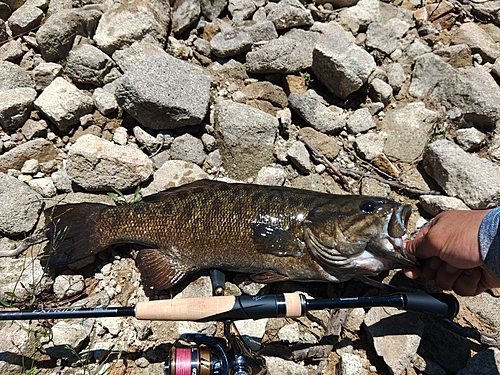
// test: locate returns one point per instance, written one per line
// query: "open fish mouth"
(395, 234)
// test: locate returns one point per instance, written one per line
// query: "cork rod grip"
(294, 305)
(187, 309)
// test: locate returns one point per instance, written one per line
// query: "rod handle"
(439, 304)
(221, 308)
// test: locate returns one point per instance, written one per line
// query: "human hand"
(449, 246)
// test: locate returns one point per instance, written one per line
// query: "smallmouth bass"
(273, 233)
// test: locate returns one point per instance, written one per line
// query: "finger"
(447, 275)
(430, 268)
(468, 283)
(412, 273)
(420, 246)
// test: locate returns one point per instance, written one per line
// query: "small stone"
(370, 145)
(350, 364)
(289, 13)
(299, 155)
(66, 286)
(272, 176)
(104, 101)
(290, 333)
(380, 91)
(34, 129)
(30, 166)
(11, 51)
(188, 148)
(120, 136)
(470, 138)
(43, 186)
(44, 73)
(360, 121)
(209, 142)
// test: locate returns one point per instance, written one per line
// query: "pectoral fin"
(158, 270)
(275, 240)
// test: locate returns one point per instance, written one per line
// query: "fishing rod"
(223, 308)
(204, 355)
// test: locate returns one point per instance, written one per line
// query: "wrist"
(489, 242)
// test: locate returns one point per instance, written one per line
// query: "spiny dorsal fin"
(158, 270)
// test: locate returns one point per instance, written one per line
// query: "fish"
(271, 233)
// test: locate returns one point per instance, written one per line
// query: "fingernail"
(450, 269)
(434, 263)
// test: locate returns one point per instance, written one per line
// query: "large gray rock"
(289, 13)
(63, 103)
(396, 336)
(127, 22)
(364, 13)
(24, 19)
(316, 114)
(184, 14)
(231, 42)
(211, 9)
(56, 36)
(19, 206)
(15, 107)
(126, 57)
(289, 53)
(385, 36)
(246, 138)
(87, 64)
(24, 277)
(487, 361)
(66, 337)
(12, 76)
(408, 128)
(162, 92)
(99, 165)
(478, 40)
(472, 93)
(341, 65)
(474, 180)
(428, 71)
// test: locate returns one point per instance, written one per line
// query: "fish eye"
(368, 207)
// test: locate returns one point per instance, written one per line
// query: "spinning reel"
(202, 355)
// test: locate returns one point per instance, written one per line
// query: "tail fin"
(72, 234)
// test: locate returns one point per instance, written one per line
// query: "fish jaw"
(389, 249)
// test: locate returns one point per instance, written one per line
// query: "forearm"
(489, 242)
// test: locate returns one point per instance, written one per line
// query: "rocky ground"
(401, 98)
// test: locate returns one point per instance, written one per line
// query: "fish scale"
(272, 233)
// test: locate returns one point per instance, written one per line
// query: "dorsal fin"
(187, 188)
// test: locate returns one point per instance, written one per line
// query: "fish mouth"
(393, 251)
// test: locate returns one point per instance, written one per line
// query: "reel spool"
(197, 354)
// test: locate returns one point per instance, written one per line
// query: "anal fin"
(158, 270)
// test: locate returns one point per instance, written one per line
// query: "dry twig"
(342, 172)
